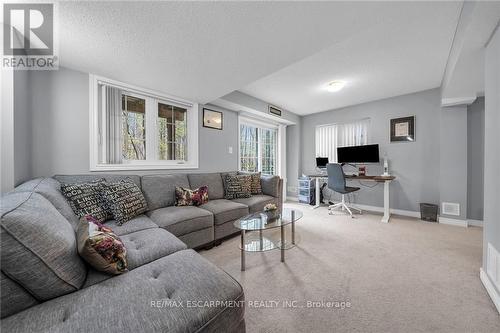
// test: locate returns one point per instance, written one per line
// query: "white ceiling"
(406, 52)
(465, 69)
(204, 50)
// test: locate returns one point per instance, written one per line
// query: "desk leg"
(387, 213)
(317, 194)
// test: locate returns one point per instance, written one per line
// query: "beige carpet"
(405, 276)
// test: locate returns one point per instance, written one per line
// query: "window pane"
(172, 132)
(248, 148)
(134, 129)
(268, 151)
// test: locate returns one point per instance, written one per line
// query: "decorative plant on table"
(271, 211)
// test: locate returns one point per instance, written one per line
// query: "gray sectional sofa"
(47, 287)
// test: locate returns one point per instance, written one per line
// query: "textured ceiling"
(406, 52)
(204, 50)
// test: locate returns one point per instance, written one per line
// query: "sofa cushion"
(148, 245)
(38, 246)
(143, 247)
(110, 178)
(138, 301)
(159, 190)
(51, 190)
(138, 223)
(225, 210)
(124, 200)
(13, 297)
(256, 203)
(100, 247)
(182, 220)
(212, 180)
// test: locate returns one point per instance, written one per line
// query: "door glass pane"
(133, 127)
(172, 132)
(248, 148)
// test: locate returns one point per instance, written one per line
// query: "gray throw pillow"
(238, 186)
(124, 200)
(86, 199)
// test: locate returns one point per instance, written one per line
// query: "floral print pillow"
(187, 197)
(100, 247)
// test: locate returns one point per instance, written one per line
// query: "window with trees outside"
(258, 149)
(134, 129)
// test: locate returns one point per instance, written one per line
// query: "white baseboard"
(475, 223)
(490, 288)
(377, 209)
(455, 222)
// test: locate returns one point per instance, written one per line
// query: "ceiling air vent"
(274, 110)
(450, 208)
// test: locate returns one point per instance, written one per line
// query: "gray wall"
(475, 159)
(239, 98)
(60, 126)
(293, 157)
(22, 127)
(453, 157)
(491, 229)
(416, 165)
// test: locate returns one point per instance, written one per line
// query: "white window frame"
(151, 162)
(280, 149)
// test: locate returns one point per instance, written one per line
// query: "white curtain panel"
(329, 137)
(114, 131)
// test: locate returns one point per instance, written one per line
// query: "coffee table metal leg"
(260, 239)
(242, 250)
(282, 243)
(293, 227)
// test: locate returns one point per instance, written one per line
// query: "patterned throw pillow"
(238, 186)
(100, 247)
(256, 186)
(86, 199)
(187, 197)
(124, 199)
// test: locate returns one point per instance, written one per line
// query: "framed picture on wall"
(212, 119)
(403, 129)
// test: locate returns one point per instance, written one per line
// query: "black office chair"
(336, 183)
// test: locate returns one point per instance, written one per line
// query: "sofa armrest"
(273, 186)
(270, 185)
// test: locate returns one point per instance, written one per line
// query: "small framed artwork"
(403, 129)
(212, 119)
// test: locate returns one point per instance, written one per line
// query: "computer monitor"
(321, 162)
(358, 154)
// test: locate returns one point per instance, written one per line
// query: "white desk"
(380, 179)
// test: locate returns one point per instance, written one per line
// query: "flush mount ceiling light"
(335, 86)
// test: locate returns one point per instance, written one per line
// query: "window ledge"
(121, 167)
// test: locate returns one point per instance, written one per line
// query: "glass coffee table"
(258, 222)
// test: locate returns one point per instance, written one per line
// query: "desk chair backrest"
(336, 177)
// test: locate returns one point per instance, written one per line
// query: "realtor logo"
(28, 36)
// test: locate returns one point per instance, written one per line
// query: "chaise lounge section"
(47, 287)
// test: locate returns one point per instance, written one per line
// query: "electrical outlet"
(230, 150)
